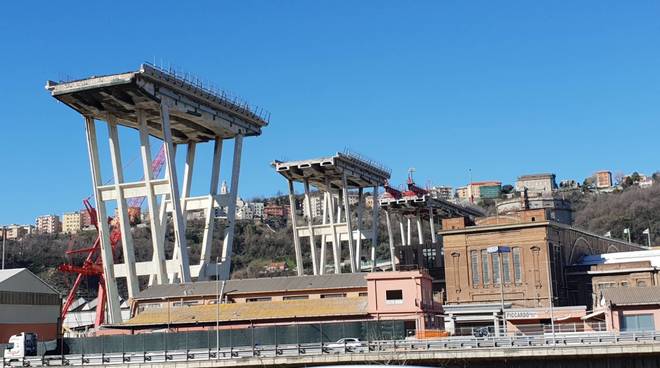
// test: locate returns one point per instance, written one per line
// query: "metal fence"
(382, 349)
(212, 339)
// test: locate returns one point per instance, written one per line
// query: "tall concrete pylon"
(166, 106)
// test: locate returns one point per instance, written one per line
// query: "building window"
(184, 304)
(641, 283)
(496, 268)
(335, 295)
(485, 271)
(638, 322)
(255, 300)
(474, 263)
(506, 269)
(394, 297)
(517, 268)
(363, 294)
(295, 297)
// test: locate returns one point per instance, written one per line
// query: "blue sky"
(499, 87)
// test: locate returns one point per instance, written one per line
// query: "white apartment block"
(48, 224)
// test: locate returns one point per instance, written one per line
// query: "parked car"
(348, 343)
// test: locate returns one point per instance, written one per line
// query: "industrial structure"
(334, 176)
(27, 303)
(176, 110)
(417, 204)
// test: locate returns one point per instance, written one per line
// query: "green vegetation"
(257, 244)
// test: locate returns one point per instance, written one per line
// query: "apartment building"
(48, 224)
(603, 179)
(71, 222)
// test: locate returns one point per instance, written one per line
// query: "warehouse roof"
(22, 280)
(632, 295)
(258, 311)
(272, 284)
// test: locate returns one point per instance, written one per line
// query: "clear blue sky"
(500, 87)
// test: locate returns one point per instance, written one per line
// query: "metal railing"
(448, 344)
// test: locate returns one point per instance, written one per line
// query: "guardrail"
(311, 349)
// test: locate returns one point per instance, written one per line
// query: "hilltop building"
(15, 232)
(48, 224)
(442, 192)
(537, 184)
(71, 222)
(275, 210)
(603, 179)
(557, 209)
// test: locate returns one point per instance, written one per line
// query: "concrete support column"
(155, 225)
(347, 209)
(409, 235)
(358, 244)
(323, 237)
(209, 212)
(432, 225)
(391, 240)
(180, 243)
(310, 227)
(420, 233)
(113, 305)
(374, 227)
(228, 245)
(122, 210)
(294, 229)
(336, 250)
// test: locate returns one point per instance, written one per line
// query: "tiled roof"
(271, 284)
(256, 311)
(632, 295)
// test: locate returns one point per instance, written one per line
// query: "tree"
(635, 177)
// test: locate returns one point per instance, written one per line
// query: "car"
(349, 343)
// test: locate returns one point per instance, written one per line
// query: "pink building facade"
(405, 295)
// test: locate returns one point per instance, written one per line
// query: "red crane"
(93, 265)
(414, 190)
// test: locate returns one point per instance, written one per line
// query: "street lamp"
(499, 250)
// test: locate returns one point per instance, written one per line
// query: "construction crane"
(92, 265)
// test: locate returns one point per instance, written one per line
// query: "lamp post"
(499, 249)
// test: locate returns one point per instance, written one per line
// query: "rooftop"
(259, 285)
(257, 311)
(632, 295)
(200, 113)
(23, 280)
(652, 255)
(536, 176)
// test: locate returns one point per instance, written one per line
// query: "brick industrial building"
(533, 270)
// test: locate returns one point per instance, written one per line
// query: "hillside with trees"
(258, 243)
